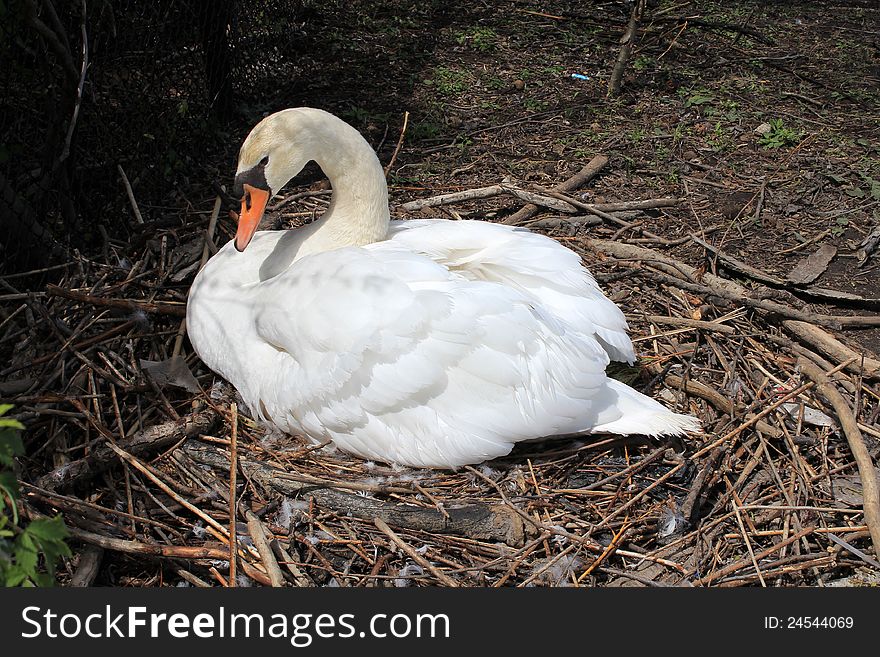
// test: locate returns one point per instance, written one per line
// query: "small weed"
(553, 70)
(425, 130)
(642, 63)
(871, 189)
(464, 144)
(483, 39)
(495, 81)
(449, 81)
(364, 116)
(779, 135)
(636, 135)
(727, 108)
(534, 105)
(695, 97)
(839, 227)
(719, 140)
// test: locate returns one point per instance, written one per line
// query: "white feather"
(442, 345)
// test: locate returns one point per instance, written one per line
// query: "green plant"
(464, 144)
(425, 130)
(481, 38)
(449, 81)
(839, 227)
(695, 97)
(21, 546)
(642, 63)
(534, 105)
(779, 135)
(636, 135)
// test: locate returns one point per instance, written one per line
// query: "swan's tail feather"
(631, 412)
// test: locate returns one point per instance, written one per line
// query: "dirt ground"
(762, 119)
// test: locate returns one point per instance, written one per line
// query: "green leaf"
(10, 447)
(15, 576)
(26, 558)
(855, 192)
(48, 530)
(698, 99)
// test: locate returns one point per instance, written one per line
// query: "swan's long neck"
(358, 212)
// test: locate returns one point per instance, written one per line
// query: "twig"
(258, 535)
(206, 253)
(686, 321)
(151, 549)
(833, 348)
(79, 90)
(854, 550)
(610, 218)
(219, 530)
(676, 273)
(52, 40)
(399, 144)
(739, 565)
(867, 473)
(233, 488)
(158, 307)
(689, 507)
(415, 556)
(454, 197)
(825, 294)
(581, 178)
(150, 439)
(488, 192)
(736, 502)
(490, 522)
(131, 199)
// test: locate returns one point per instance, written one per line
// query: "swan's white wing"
(395, 357)
(551, 274)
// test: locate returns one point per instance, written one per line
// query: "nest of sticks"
(157, 471)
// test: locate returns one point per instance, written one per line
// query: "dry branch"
(488, 192)
(415, 556)
(149, 440)
(834, 348)
(677, 273)
(258, 535)
(159, 307)
(581, 178)
(825, 294)
(870, 485)
(492, 522)
(626, 44)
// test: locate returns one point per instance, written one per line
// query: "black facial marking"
(255, 177)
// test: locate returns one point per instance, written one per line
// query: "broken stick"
(579, 179)
(867, 473)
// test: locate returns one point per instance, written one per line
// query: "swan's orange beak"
(253, 204)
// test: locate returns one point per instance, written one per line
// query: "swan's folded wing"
(392, 356)
(550, 273)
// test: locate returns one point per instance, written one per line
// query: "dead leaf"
(848, 489)
(813, 266)
(810, 415)
(171, 372)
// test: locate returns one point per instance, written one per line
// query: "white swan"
(426, 343)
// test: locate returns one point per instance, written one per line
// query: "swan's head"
(275, 151)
